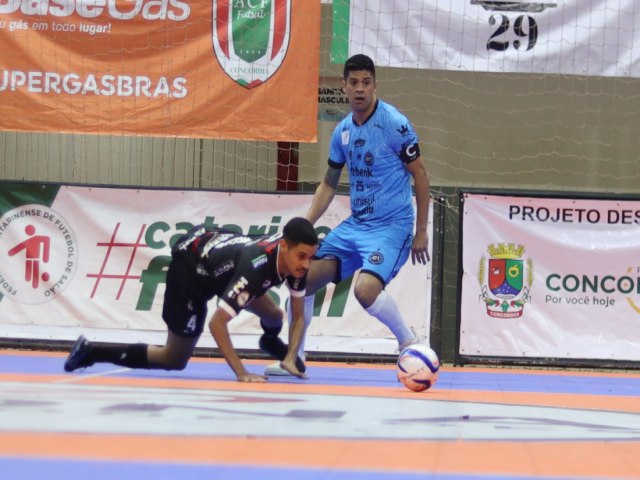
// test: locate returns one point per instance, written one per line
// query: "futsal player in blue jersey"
(380, 150)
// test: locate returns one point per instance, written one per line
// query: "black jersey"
(237, 268)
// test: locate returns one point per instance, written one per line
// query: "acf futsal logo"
(38, 254)
(251, 38)
(505, 278)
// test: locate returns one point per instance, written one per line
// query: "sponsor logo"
(361, 172)
(224, 268)
(259, 261)
(239, 293)
(240, 284)
(367, 203)
(202, 270)
(223, 240)
(598, 290)
(242, 299)
(174, 10)
(505, 279)
(251, 38)
(38, 254)
(89, 84)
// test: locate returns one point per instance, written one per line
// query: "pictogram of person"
(36, 249)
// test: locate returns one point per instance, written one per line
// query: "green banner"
(340, 38)
(14, 194)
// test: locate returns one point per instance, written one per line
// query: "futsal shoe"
(278, 349)
(405, 344)
(78, 356)
(275, 370)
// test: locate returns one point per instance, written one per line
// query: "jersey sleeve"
(339, 139)
(297, 286)
(404, 139)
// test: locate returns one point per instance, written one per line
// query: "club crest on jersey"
(251, 38)
(368, 159)
(376, 258)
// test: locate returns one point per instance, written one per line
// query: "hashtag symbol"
(111, 245)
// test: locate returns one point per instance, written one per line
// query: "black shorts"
(185, 305)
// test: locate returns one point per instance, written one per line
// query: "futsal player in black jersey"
(239, 270)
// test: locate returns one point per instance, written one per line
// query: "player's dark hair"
(299, 230)
(359, 62)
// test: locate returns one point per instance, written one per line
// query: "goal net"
(525, 95)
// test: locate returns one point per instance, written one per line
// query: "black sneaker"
(278, 349)
(78, 355)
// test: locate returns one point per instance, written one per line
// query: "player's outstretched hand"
(420, 249)
(291, 368)
(252, 378)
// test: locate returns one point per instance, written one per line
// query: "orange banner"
(228, 69)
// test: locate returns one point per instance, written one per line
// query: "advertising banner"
(573, 37)
(93, 260)
(550, 278)
(201, 69)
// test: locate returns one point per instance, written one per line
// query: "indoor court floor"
(351, 422)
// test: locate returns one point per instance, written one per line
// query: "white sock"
(308, 316)
(386, 310)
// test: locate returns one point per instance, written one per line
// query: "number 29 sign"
(512, 23)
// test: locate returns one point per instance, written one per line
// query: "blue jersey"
(376, 153)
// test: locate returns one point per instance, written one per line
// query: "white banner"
(550, 278)
(574, 37)
(93, 260)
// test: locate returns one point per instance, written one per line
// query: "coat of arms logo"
(506, 278)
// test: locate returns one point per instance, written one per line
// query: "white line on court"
(77, 378)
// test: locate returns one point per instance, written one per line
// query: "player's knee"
(172, 362)
(365, 296)
(177, 364)
(367, 289)
(273, 318)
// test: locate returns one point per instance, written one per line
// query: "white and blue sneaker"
(275, 370)
(276, 348)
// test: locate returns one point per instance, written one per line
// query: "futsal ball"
(418, 367)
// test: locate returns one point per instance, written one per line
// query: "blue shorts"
(378, 249)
